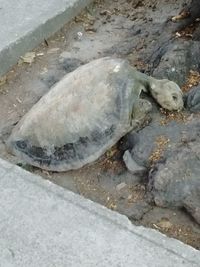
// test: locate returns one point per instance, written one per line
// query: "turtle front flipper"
(139, 114)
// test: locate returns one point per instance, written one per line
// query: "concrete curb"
(45, 225)
(26, 24)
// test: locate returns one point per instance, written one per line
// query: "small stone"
(89, 28)
(3, 80)
(131, 165)
(135, 211)
(29, 57)
(104, 12)
(53, 50)
(121, 186)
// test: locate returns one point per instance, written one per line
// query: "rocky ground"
(160, 38)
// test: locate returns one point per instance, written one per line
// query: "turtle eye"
(175, 98)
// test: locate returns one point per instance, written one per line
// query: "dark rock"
(192, 99)
(178, 60)
(132, 166)
(130, 178)
(143, 143)
(134, 211)
(193, 6)
(124, 177)
(122, 48)
(196, 33)
(192, 205)
(176, 182)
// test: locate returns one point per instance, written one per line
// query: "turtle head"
(167, 93)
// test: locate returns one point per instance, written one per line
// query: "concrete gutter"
(25, 23)
(43, 225)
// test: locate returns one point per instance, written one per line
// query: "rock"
(121, 186)
(134, 211)
(144, 142)
(192, 99)
(192, 205)
(122, 192)
(132, 166)
(176, 182)
(129, 178)
(179, 59)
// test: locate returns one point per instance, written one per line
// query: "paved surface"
(25, 23)
(42, 224)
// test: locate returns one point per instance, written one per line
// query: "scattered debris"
(188, 31)
(184, 14)
(121, 186)
(18, 100)
(105, 12)
(53, 50)
(86, 18)
(181, 232)
(172, 116)
(40, 54)
(90, 29)
(3, 80)
(192, 80)
(137, 193)
(161, 144)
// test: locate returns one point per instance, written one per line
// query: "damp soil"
(128, 29)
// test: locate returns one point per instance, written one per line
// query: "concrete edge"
(11, 54)
(173, 246)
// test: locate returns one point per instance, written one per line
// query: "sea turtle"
(86, 113)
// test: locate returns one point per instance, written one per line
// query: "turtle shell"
(81, 117)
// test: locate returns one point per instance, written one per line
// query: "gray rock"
(192, 205)
(143, 142)
(134, 211)
(179, 59)
(175, 179)
(129, 178)
(121, 186)
(192, 99)
(132, 166)
(176, 182)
